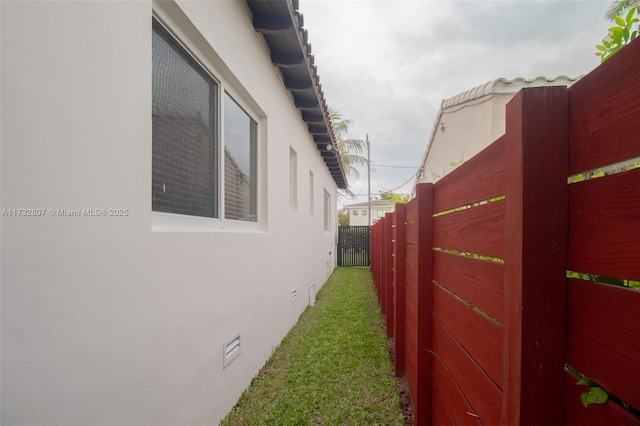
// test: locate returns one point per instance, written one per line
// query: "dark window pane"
(184, 162)
(240, 155)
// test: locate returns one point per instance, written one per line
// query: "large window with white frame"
(204, 154)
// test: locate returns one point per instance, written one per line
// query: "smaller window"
(311, 196)
(355, 212)
(364, 212)
(326, 216)
(380, 213)
(240, 163)
(293, 179)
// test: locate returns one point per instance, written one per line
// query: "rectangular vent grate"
(294, 295)
(231, 350)
(312, 294)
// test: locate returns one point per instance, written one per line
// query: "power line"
(393, 134)
(399, 186)
(390, 132)
(361, 188)
(400, 139)
(394, 167)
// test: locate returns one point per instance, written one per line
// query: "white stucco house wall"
(470, 121)
(359, 213)
(168, 201)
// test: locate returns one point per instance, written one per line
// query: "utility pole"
(369, 176)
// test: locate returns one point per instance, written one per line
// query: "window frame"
(326, 210)
(162, 221)
(311, 192)
(253, 159)
(293, 179)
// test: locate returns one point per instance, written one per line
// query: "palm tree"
(350, 150)
(619, 7)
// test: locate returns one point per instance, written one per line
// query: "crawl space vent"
(312, 294)
(231, 350)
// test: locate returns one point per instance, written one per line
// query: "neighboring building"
(359, 213)
(168, 205)
(467, 123)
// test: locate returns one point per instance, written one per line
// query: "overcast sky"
(387, 65)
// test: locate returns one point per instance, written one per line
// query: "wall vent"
(312, 294)
(294, 295)
(231, 350)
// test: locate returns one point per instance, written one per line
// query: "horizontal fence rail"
(517, 275)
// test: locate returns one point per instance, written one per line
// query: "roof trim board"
(281, 26)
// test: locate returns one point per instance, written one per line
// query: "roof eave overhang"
(281, 25)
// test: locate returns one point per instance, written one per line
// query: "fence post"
(536, 163)
(398, 286)
(383, 244)
(388, 272)
(339, 249)
(373, 250)
(423, 404)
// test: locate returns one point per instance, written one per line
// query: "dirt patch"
(402, 386)
(405, 397)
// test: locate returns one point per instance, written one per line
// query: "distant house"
(468, 122)
(168, 204)
(359, 213)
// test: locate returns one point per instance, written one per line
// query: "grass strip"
(332, 368)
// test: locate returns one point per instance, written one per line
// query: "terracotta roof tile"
(503, 85)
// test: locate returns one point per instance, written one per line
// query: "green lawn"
(332, 368)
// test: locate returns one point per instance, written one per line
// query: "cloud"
(388, 64)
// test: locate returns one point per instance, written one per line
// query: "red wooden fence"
(472, 272)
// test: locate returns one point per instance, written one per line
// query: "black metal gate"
(353, 246)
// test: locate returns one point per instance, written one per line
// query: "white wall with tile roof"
(470, 121)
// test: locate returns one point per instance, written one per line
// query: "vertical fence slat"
(383, 264)
(380, 260)
(388, 276)
(398, 287)
(424, 225)
(376, 246)
(536, 166)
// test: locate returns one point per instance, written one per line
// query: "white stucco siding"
(461, 132)
(110, 320)
(360, 219)
(470, 121)
(498, 115)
